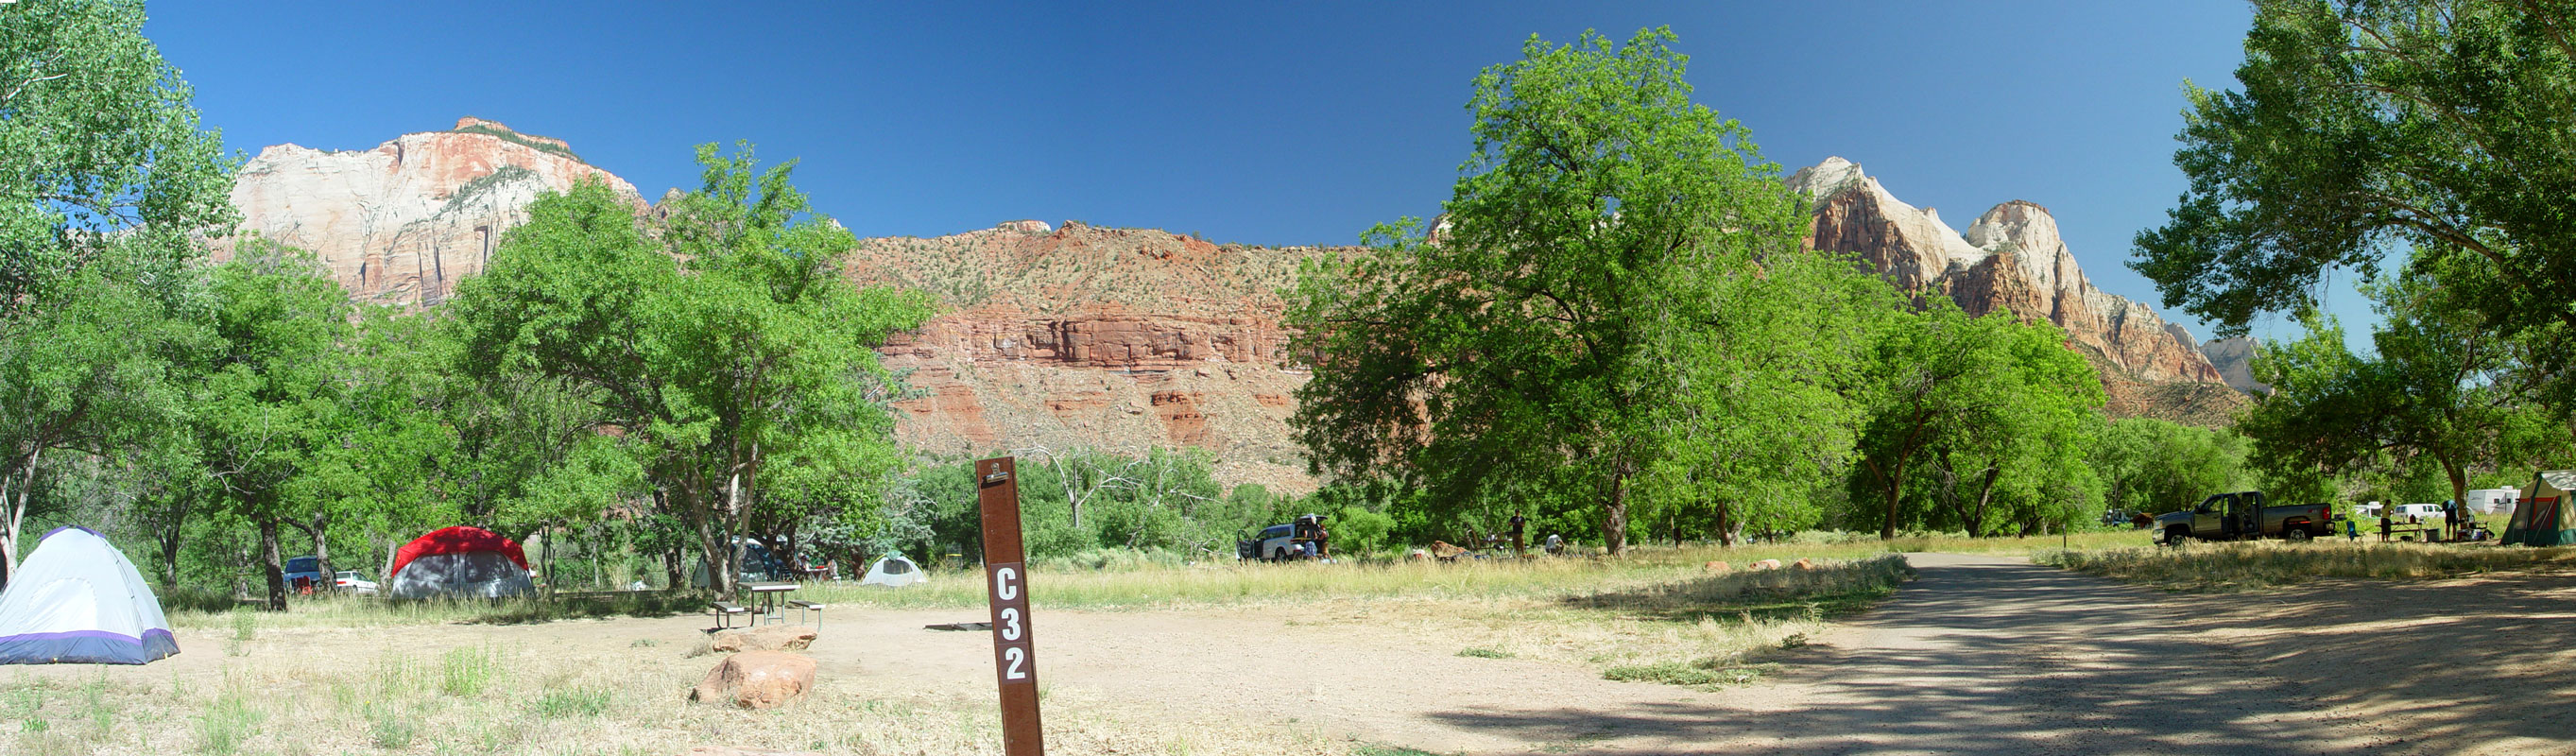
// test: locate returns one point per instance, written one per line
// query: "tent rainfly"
(76, 600)
(894, 571)
(460, 562)
(2547, 515)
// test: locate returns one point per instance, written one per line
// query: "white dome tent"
(76, 600)
(894, 571)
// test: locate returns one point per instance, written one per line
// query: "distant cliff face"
(1121, 338)
(2235, 361)
(403, 222)
(2012, 258)
(1114, 338)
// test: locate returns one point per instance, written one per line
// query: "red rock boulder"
(756, 679)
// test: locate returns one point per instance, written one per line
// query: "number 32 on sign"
(1006, 578)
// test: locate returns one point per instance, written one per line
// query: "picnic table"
(767, 592)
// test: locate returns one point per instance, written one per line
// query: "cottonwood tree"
(271, 392)
(1988, 406)
(2439, 384)
(2365, 126)
(723, 340)
(110, 186)
(2153, 466)
(1544, 335)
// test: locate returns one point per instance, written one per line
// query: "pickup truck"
(2243, 515)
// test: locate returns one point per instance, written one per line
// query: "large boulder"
(763, 638)
(756, 679)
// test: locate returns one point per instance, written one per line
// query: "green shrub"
(1357, 530)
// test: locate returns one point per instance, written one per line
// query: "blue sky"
(1269, 123)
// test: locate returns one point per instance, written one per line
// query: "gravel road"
(1987, 655)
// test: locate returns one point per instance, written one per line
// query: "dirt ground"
(1981, 655)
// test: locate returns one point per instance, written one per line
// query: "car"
(348, 580)
(308, 568)
(1276, 542)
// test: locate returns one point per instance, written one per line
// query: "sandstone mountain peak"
(2013, 258)
(403, 222)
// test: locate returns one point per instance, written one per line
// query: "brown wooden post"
(1015, 664)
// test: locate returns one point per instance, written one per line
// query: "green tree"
(1531, 345)
(721, 342)
(110, 187)
(2370, 125)
(2151, 466)
(1990, 407)
(2440, 385)
(272, 390)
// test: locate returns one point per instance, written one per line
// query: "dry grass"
(1229, 583)
(348, 611)
(2224, 567)
(479, 700)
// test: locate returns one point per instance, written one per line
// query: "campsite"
(1345, 379)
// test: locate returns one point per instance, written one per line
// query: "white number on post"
(1006, 583)
(1017, 656)
(1010, 623)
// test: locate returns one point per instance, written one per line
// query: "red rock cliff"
(403, 222)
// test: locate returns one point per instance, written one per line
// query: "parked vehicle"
(2244, 516)
(2419, 510)
(307, 567)
(1279, 543)
(348, 580)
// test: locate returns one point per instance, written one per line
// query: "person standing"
(1518, 523)
(2450, 519)
(2385, 525)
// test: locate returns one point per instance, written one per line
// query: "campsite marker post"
(1015, 664)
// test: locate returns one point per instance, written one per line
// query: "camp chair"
(304, 586)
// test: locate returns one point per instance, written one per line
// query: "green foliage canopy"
(726, 346)
(2447, 125)
(1576, 302)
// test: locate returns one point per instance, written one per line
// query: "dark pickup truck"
(2243, 516)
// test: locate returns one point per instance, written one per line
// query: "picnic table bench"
(725, 611)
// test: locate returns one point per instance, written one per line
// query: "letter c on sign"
(1006, 583)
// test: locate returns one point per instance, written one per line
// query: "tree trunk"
(169, 543)
(321, 532)
(271, 563)
(1887, 530)
(2459, 491)
(671, 576)
(1614, 518)
(17, 515)
(1729, 532)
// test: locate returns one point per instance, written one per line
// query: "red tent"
(457, 540)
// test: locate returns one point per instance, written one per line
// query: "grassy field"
(361, 675)
(2222, 567)
(281, 696)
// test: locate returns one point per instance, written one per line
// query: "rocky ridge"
(2012, 258)
(1114, 338)
(1059, 336)
(402, 223)
(2234, 359)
